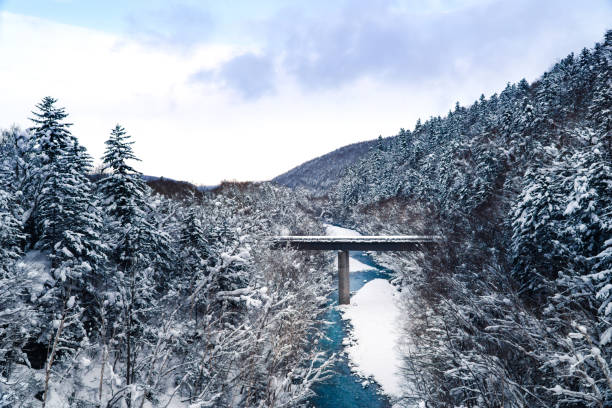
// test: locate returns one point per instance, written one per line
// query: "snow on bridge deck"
(356, 243)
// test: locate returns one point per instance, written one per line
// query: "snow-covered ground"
(374, 313)
(356, 266)
(334, 231)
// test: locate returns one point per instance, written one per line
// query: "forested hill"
(320, 173)
(515, 308)
(475, 153)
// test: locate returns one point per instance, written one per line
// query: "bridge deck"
(353, 243)
(356, 243)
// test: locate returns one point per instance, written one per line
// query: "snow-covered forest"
(113, 295)
(514, 308)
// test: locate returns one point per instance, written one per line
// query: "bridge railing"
(356, 243)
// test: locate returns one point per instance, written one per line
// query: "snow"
(70, 302)
(354, 264)
(374, 314)
(358, 238)
(334, 231)
(571, 207)
(37, 267)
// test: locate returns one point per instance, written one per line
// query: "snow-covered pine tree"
(50, 137)
(600, 109)
(140, 253)
(194, 249)
(66, 220)
(125, 199)
(537, 252)
(63, 223)
(580, 310)
(123, 189)
(12, 236)
(11, 233)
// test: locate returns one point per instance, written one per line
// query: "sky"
(245, 90)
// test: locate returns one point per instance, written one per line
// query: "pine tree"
(141, 249)
(536, 249)
(194, 248)
(64, 223)
(51, 137)
(600, 109)
(11, 234)
(12, 237)
(124, 196)
(66, 219)
(123, 188)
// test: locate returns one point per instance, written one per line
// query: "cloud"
(178, 27)
(312, 84)
(376, 39)
(395, 41)
(251, 75)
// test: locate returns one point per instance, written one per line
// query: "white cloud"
(205, 132)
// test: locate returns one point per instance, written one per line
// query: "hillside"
(320, 173)
(519, 295)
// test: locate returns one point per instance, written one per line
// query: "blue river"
(344, 389)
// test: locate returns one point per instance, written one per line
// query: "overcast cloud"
(380, 40)
(180, 26)
(246, 90)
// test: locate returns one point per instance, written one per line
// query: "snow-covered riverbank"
(372, 346)
(374, 335)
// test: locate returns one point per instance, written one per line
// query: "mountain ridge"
(321, 172)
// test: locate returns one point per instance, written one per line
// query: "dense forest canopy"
(514, 309)
(111, 295)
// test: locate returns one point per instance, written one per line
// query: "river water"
(344, 389)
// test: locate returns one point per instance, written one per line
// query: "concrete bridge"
(354, 243)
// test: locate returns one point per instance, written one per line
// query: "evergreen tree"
(62, 221)
(11, 234)
(123, 188)
(600, 109)
(140, 251)
(124, 196)
(194, 248)
(65, 218)
(51, 138)
(12, 237)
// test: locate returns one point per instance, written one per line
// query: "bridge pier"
(344, 290)
(358, 243)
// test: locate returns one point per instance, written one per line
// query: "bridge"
(353, 243)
